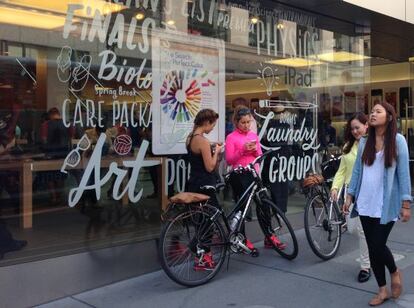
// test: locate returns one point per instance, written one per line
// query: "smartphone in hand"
(251, 142)
(250, 145)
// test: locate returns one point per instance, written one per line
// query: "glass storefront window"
(97, 98)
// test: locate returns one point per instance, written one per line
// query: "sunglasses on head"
(243, 112)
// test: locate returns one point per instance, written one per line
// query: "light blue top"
(371, 194)
(397, 183)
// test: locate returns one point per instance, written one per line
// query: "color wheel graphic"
(181, 96)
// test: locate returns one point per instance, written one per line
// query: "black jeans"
(380, 256)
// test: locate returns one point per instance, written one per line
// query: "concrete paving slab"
(244, 285)
(267, 281)
(67, 302)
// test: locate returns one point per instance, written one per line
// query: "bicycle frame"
(244, 203)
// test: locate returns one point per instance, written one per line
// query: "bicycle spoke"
(182, 238)
(275, 226)
(322, 228)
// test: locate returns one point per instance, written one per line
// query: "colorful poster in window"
(188, 76)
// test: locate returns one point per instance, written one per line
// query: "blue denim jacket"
(397, 183)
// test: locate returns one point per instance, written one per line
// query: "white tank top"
(371, 194)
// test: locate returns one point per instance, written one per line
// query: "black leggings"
(239, 184)
(195, 188)
(380, 256)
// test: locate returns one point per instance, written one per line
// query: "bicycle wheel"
(323, 229)
(273, 222)
(185, 239)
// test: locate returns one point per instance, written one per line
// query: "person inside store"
(57, 139)
(7, 242)
(146, 134)
(203, 164)
(9, 179)
(89, 204)
(139, 134)
(279, 188)
(356, 127)
(242, 147)
(228, 123)
(327, 133)
(42, 133)
(381, 187)
(89, 200)
(255, 109)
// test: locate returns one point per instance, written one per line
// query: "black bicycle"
(323, 219)
(197, 237)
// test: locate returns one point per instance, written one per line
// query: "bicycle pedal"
(255, 253)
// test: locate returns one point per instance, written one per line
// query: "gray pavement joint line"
(401, 243)
(306, 276)
(83, 302)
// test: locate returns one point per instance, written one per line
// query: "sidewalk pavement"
(266, 281)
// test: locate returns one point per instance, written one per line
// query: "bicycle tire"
(273, 221)
(175, 252)
(319, 230)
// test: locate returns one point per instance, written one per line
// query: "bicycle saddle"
(188, 197)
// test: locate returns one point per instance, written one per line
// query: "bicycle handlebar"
(250, 166)
(261, 157)
(332, 159)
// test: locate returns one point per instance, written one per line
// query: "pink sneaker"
(205, 263)
(249, 244)
(272, 241)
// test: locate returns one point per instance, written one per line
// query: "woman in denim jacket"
(381, 188)
(355, 129)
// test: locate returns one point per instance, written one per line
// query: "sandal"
(396, 287)
(378, 300)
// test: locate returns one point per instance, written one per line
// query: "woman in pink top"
(242, 147)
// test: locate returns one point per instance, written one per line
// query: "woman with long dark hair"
(381, 187)
(356, 127)
(203, 163)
